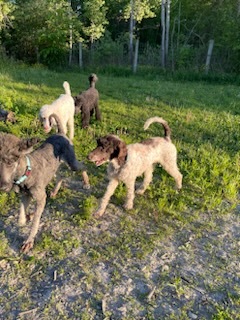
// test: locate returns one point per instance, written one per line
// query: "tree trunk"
(80, 60)
(163, 24)
(37, 54)
(70, 35)
(131, 32)
(135, 62)
(209, 55)
(179, 24)
(70, 45)
(168, 4)
(172, 45)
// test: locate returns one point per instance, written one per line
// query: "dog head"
(11, 117)
(7, 116)
(78, 103)
(108, 148)
(11, 149)
(47, 121)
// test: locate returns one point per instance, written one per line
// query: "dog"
(59, 178)
(29, 172)
(86, 102)
(7, 116)
(64, 108)
(127, 162)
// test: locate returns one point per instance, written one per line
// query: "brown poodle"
(86, 102)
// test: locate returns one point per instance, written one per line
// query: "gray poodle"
(86, 102)
(29, 172)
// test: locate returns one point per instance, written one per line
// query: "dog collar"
(26, 174)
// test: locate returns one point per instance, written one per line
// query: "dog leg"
(85, 118)
(86, 184)
(97, 113)
(176, 174)
(147, 179)
(130, 195)
(105, 200)
(25, 201)
(71, 128)
(57, 186)
(41, 201)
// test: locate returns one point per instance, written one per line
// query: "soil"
(194, 273)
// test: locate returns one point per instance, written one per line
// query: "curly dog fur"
(64, 108)
(127, 162)
(29, 172)
(86, 102)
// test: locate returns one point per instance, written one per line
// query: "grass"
(204, 118)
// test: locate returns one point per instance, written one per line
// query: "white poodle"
(64, 108)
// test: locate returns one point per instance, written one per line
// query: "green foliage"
(111, 50)
(87, 207)
(224, 315)
(44, 43)
(7, 201)
(4, 245)
(141, 9)
(29, 32)
(57, 247)
(94, 15)
(5, 13)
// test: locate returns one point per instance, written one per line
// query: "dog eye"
(9, 163)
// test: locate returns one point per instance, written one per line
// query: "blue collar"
(26, 174)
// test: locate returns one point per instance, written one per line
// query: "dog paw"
(22, 222)
(140, 191)
(177, 188)
(52, 194)
(86, 186)
(27, 246)
(30, 217)
(98, 213)
(128, 206)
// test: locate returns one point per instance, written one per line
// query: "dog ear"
(25, 145)
(122, 153)
(119, 148)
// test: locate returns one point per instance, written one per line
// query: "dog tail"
(167, 130)
(66, 87)
(54, 117)
(92, 80)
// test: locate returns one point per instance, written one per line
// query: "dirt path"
(192, 274)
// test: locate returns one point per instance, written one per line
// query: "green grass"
(204, 118)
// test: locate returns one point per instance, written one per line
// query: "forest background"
(178, 35)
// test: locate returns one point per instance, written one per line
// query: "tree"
(165, 23)
(93, 18)
(40, 31)
(5, 10)
(200, 21)
(135, 11)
